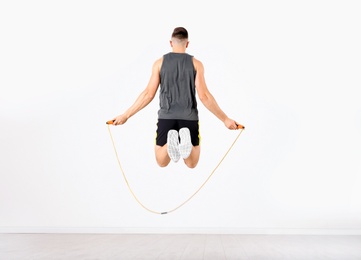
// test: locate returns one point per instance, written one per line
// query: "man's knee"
(163, 163)
(191, 163)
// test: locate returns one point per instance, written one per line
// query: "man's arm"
(207, 98)
(144, 98)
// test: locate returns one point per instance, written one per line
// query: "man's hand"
(232, 125)
(119, 120)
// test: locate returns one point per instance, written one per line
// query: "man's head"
(180, 33)
(179, 37)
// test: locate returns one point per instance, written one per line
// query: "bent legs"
(162, 157)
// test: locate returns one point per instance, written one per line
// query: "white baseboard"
(153, 230)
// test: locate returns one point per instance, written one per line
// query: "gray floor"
(182, 246)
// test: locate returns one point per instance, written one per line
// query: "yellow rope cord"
(174, 209)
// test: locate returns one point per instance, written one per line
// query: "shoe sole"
(185, 146)
(173, 145)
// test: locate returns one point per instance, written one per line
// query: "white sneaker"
(185, 146)
(173, 145)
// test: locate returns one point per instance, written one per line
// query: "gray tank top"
(177, 97)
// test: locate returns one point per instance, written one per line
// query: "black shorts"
(164, 125)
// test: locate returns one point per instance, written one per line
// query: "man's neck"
(178, 50)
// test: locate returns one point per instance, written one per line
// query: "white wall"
(288, 70)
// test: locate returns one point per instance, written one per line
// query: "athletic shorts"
(164, 125)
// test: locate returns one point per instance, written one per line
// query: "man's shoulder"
(158, 63)
(197, 63)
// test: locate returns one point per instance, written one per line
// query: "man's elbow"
(150, 97)
(203, 98)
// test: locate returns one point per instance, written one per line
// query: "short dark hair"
(180, 33)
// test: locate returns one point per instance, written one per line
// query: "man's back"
(177, 87)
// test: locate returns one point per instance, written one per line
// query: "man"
(179, 76)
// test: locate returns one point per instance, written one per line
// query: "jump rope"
(110, 122)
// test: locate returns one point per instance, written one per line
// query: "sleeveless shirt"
(177, 96)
